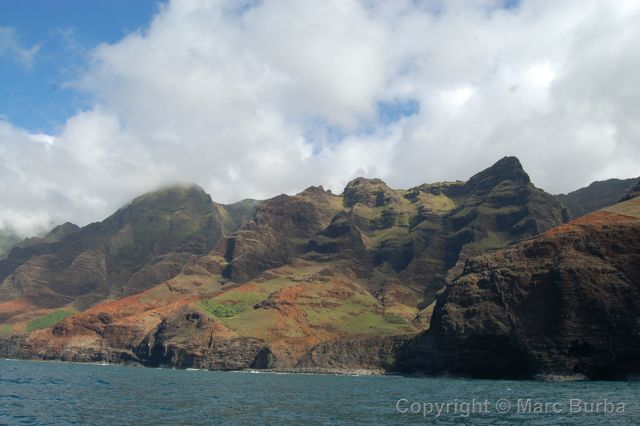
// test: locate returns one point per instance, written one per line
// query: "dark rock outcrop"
(367, 354)
(188, 340)
(278, 231)
(495, 208)
(566, 302)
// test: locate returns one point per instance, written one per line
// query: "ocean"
(61, 393)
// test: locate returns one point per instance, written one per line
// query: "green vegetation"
(493, 240)
(437, 203)
(501, 326)
(394, 319)
(359, 315)
(235, 301)
(394, 233)
(5, 329)
(314, 305)
(223, 311)
(52, 318)
(628, 208)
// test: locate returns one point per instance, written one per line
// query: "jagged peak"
(507, 168)
(65, 226)
(314, 190)
(509, 161)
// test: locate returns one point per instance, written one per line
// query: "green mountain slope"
(142, 244)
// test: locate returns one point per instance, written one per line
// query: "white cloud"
(257, 98)
(10, 46)
(541, 75)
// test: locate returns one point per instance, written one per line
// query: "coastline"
(311, 371)
(352, 372)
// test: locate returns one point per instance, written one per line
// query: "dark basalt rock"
(342, 237)
(279, 231)
(496, 207)
(506, 169)
(187, 340)
(375, 353)
(566, 302)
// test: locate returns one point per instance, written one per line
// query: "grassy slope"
(627, 208)
(48, 320)
(304, 301)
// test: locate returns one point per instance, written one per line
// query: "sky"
(101, 101)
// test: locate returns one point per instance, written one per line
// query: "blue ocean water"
(58, 393)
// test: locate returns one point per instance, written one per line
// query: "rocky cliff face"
(566, 302)
(413, 235)
(278, 230)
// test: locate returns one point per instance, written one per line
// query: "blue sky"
(35, 96)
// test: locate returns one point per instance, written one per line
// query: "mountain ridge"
(597, 195)
(291, 282)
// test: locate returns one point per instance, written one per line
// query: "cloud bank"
(257, 98)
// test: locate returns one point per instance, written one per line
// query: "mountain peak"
(173, 197)
(509, 164)
(314, 190)
(508, 168)
(61, 231)
(370, 192)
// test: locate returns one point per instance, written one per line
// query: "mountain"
(142, 244)
(596, 196)
(56, 234)
(562, 303)
(176, 279)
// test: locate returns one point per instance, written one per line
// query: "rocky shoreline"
(321, 371)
